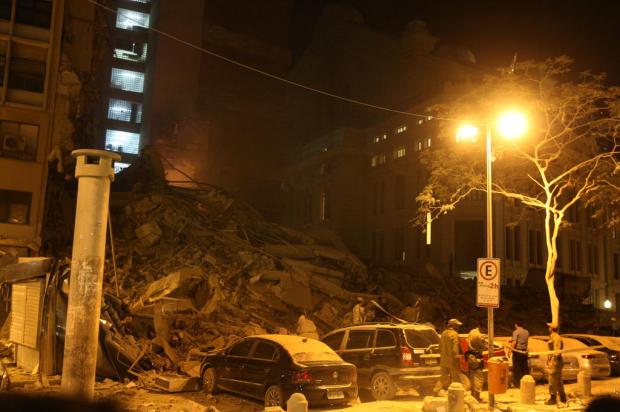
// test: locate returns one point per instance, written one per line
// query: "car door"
(357, 350)
(334, 341)
(231, 374)
(260, 367)
(384, 351)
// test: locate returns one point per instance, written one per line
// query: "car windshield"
(421, 338)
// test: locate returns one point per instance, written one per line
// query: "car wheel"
(209, 381)
(382, 387)
(465, 381)
(274, 396)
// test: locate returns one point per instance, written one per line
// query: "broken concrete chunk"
(295, 293)
(181, 283)
(149, 234)
(307, 267)
(177, 383)
(289, 251)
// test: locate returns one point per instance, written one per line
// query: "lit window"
(420, 121)
(377, 139)
(374, 161)
(382, 159)
(121, 141)
(428, 142)
(384, 137)
(125, 111)
(141, 1)
(401, 129)
(118, 166)
(325, 149)
(418, 145)
(127, 80)
(130, 19)
(399, 152)
(133, 51)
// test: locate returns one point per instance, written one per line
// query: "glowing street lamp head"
(607, 304)
(512, 125)
(467, 132)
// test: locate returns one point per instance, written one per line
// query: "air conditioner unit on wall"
(13, 144)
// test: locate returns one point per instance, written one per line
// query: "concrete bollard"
(297, 403)
(528, 390)
(94, 170)
(456, 397)
(584, 383)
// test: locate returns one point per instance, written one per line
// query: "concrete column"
(584, 382)
(297, 403)
(94, 171)
(528, 390)
(456, 397)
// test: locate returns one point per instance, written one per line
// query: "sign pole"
(489, 247)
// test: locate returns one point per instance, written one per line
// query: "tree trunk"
(552, 228)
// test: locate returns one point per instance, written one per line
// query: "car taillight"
(354, 375)
(406, 356)
(588, 356)
(301, 377)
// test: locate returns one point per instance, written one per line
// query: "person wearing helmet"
(449, 361)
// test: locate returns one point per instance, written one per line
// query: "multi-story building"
(30, 38)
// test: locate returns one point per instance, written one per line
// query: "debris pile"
(197, 269)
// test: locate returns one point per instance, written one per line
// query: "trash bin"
(498, 375)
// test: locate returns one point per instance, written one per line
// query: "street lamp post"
(510, 125)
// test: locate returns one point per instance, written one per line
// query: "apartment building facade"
(30, 39)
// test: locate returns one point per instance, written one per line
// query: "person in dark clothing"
(519, 341)
(449, 351)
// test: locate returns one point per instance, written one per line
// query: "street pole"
(489, 246)
(94, 171)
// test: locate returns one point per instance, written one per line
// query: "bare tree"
(568, 159)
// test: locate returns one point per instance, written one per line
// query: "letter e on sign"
(487, 283)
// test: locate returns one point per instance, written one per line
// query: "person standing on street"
(473, 356)
(519, 341)
(358, 311)
(449, 352)
(555, 364)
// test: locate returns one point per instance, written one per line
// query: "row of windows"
(379, 195)
(400, 152)
(400, 129)
(123, 110)
(399, 250)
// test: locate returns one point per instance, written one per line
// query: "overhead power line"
(273, 76)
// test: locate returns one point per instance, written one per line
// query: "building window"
(131, 19)
(382, 197)
(380, 247)
(532, 246)
(428, 142)
(399, 152)
(517, 243)
(508, 243)
(125, 111)
(34, 12)
(374, 161)
(121, 141)
(324, 207)
(133, 51)
(401, 129)
(27, 68)
(575, 255)
(399, 192)
(15, 207)
(323, 169)
(19, 140)
(616, 264)
(127, 80)
(418, 145)
(593, 259)
(5, 9)
(399, 244)
(375, 198)
(560, 252)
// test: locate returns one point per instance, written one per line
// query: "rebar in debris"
(118, 293)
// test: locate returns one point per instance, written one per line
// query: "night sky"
(587, 30)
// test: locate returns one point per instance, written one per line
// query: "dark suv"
(389, 356)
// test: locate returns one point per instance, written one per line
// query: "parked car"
(611, 346)
(390, 356)
(537, 360)
(595, 361)
(498, 350)
(273, 367)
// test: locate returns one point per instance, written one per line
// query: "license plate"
(335, 394)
